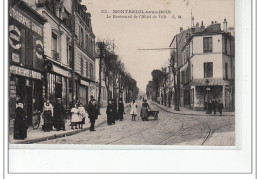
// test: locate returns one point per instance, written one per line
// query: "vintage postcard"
(120, 72)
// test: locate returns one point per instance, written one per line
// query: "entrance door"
(29, 104)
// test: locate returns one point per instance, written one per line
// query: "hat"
(91, 97)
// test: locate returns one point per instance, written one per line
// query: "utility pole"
(73, 52)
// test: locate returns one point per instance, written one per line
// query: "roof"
(211, 82)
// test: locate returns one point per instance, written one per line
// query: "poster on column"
(146, 75)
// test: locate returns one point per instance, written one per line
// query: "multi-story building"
(208, 67)
(62, 59)
(84, 54)
(57, 49)
(26, 75)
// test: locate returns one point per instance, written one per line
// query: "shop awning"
(209, 82)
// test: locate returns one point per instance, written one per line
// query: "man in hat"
(92, 113)
(20, 122)
(59, 112)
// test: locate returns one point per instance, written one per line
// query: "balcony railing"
(55, 55)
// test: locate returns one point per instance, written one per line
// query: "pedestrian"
(210, 106)
(92, 113)
(144, 111)
(82, 115)
(48, 116)
(220, 107)
(59, 113)
(133, 110)
(115, 111)
(121, 109)
(20, 122)
(109, 112)
(214, 105)
(74, 117)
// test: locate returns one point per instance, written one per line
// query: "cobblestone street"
(170, 129)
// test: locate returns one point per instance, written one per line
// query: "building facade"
(84, 55)
(208, 68)
(26, 75)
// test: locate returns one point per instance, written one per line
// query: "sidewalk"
(186, 111)
(34, 136)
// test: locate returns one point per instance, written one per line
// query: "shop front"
(58, 86)
(27, 85)
(25, 37)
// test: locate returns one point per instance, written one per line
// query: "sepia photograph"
(122, 73)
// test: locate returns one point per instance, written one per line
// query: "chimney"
(212, 22)
(216, 22)
(181, 29)
(202, 27)
(225, 25)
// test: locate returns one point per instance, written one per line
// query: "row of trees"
(159, 80)
(118, 81)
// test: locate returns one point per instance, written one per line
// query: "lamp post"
(207, 89)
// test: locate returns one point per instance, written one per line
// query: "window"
(208, 70)
(81, 66)
(207, 44)
(226, 70)
(55, 54)
(81, 37)
(87, 70)
(91, 71)
(192, 72)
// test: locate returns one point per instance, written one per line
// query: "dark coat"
(121, 108)
(110, 113)
(92, 111)
(20, 124)
(58, 111)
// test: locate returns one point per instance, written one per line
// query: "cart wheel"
(156, 116)
(36, 122)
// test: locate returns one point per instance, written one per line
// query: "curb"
(187, 114)
(55, 136)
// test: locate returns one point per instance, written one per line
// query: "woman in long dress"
(82, 115)
(109, 112)
(74, 117)
(48, 115)
(144, 111)
(133, 110)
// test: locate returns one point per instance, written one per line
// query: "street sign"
(208, 89)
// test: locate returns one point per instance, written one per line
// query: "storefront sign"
(25, 72)
(21, 18)
(84, 83)
(208, 89)
(14, 37)
(61, 71)
(39, 49)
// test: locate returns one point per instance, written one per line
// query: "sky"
(131, 34)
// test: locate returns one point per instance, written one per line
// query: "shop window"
(207, 44)
(208, 70)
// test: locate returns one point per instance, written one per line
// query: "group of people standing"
(213, 105)
(115, 111)
(144, 110)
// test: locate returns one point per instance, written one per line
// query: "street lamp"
(207, 89)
